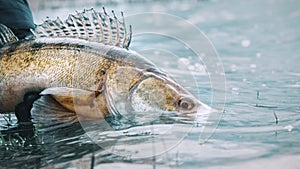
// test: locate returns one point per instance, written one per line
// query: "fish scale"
(92, 74)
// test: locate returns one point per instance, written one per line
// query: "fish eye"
(185, 103)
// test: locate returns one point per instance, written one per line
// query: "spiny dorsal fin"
(6, 36)
(88, 25)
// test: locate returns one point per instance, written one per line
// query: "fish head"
(161, 93)
(137, 94)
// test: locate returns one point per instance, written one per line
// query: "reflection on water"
(258, 42)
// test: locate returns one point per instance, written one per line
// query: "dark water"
(258, 44)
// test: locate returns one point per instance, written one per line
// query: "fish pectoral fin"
(62, 95)
(85, 103)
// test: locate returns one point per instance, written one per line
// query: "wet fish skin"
(90, 72)
(38, 64)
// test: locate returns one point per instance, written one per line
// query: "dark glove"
(16, 15)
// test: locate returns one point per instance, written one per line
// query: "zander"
(84, 63)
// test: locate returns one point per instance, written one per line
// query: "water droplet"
(289, 127)
(191, 67)
(246, 43)
(199, 67)
(253, 66)
(235, 88)
(233, 67)
(184, 61)
(258, 55)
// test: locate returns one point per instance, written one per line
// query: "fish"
(84, 63)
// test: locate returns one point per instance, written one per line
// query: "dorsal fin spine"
(58, 31)
(100, 26)
(127, 40)
(49, 27)
(88, 25)
(79, 19)
(125, 34)
(73, 19)
(63, 25)
(105, 24)
(110, 37)
(6, 36)
(92, 25)
(69, 25)
(94, 29)
(109, 28)
(118, 29)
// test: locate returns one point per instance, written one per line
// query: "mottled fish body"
(84, 63)
(40, 64)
